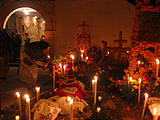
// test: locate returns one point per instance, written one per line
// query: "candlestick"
(139, 90)
(53, 72)
(38, 92)
(17, 117)
(145, 101)
(95, 91)
(157, 68)
(19, 103)
(71, 108)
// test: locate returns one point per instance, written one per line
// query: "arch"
(22, 8)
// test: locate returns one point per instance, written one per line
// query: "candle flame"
(154, 111)
(87, 58)
(95, 77)
(157, 61)
(72, 56)
(130, 78)
(26, 96)
(64, 66)
(28, 99)
(82, 51)
(18, 94)
(139, 62)
(81, 55)
(70, 100)
(146, 95)
(93, 81)
(139, 80)
(98, 109)
(37, 89)
(49, 56)
(17, 117)
(60, 65)
(108, 52)
(99, 98)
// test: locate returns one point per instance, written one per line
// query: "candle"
(82, 56)
(17, 117)
(48, 57)
(29, 109)
(60, 65)
(19, 103)
(64, 68)
(157, 68)
(93, 81)
(95, 90)
(98, 109)
(71, 108)
(38, 92)
(144, 106)
(155, 117)
(139, 62)
(139, 90)
(53, 77)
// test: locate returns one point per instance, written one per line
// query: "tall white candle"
(157, 68)
(53, 72)
(19, 103)
(93, 81)
(95, 91)
(29, 109)
(144, 106)
(71, 108)
(139, 90)
(37, 93)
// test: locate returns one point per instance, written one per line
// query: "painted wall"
(104, 17)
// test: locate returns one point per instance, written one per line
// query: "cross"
(83, 25)
(120, 42)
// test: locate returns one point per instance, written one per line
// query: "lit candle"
(48, 56)
(71, 108)
(64, 68)
(60, 65)
(139, 90)
(139, 62)
(157, 68)
(98, 109)
(29, 109)
(99, 98)
(17, 117)
(38, 92)
(93, 81)
(144, 107)
(95, 91)
(53, 72)
(82, 56)
(19, 103)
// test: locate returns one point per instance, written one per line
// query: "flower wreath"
(95, 54)
(146, 53)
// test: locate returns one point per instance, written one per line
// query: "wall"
(104, 17)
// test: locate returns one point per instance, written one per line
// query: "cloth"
(71, 89)
(45, 110)
(28, 70)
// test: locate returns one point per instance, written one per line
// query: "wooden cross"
(83, 25)
(120, 42)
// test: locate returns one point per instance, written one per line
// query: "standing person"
(3, 55)
(33, 55)
(18, 42)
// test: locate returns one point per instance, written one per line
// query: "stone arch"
(45, 8)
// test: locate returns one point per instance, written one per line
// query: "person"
(32, 56)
